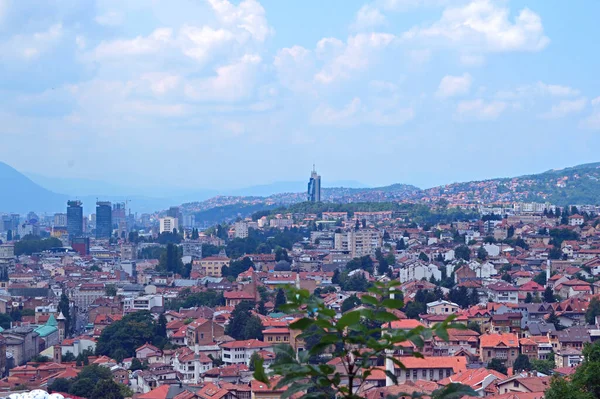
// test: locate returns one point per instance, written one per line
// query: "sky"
(224, 93)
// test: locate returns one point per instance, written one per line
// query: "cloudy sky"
(218, 93)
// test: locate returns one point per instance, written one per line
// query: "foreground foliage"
(362, 340)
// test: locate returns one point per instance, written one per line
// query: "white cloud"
(200, 43)
(295, 67)
(565, 108)
(479, 109)
(31, 46)
(141, 45)
(357, 113)
(368, 17)
(485, 25)
(248, 16)
(355, 56)
(538, 89)
(161, 83)
(592, 122)
(232, 82)
(451, 86)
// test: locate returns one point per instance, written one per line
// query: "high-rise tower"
(104, 226)
(74, 219)
(314, 187)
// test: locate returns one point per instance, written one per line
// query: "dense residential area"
(154, 308)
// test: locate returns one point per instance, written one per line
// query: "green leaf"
(347, 319)
(369, 300)
(384, 316)
(392, 303)
(302, 324)
(259, 371)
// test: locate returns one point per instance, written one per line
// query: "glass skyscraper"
(103, 219)
(74, 219)
(314, 187)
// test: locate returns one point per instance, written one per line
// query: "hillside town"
(172, 312)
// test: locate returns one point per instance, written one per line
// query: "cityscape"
(267, 199)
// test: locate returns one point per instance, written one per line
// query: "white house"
(483, 270)
(576, 220)
(492, 249)
(442, 307)
(239, 352)
(418, 271)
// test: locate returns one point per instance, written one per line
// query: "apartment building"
(212, 265)
(359, 243)
(167, 224)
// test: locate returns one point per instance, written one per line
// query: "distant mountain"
(21, 195)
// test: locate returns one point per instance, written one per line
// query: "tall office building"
(74, 219)
(104, 224)
(314, 187)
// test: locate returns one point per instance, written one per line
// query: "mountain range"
(575, 185)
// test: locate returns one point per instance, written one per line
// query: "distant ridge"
(568, 186)
(21, 195)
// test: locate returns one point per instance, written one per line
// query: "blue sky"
(217, 93)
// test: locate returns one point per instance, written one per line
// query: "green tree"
(254, 359)
(68, 357)
(549, 295)
(261, 308)
(60, 385)
(5, 321)
(482, 253)
(423, 257)
(106, 389)
(553, 319)
(528, 298)
(124, 336)
(350, 303)
(522, 363)
(82, 387)
(253, 328)
(593, 310)
(462, 252)
(136, 364)
(584, 383)
(498, 365)
(242, 324)
(280, 299)
(544, 366)
(110, 290)
(352, 340)
(474, 327)
(540, 278)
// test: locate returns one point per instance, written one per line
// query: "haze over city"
(284, 199)
(219, 94)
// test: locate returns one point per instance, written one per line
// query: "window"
(415, 374)
(424, 373)
(431, 374)
(448, 371)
